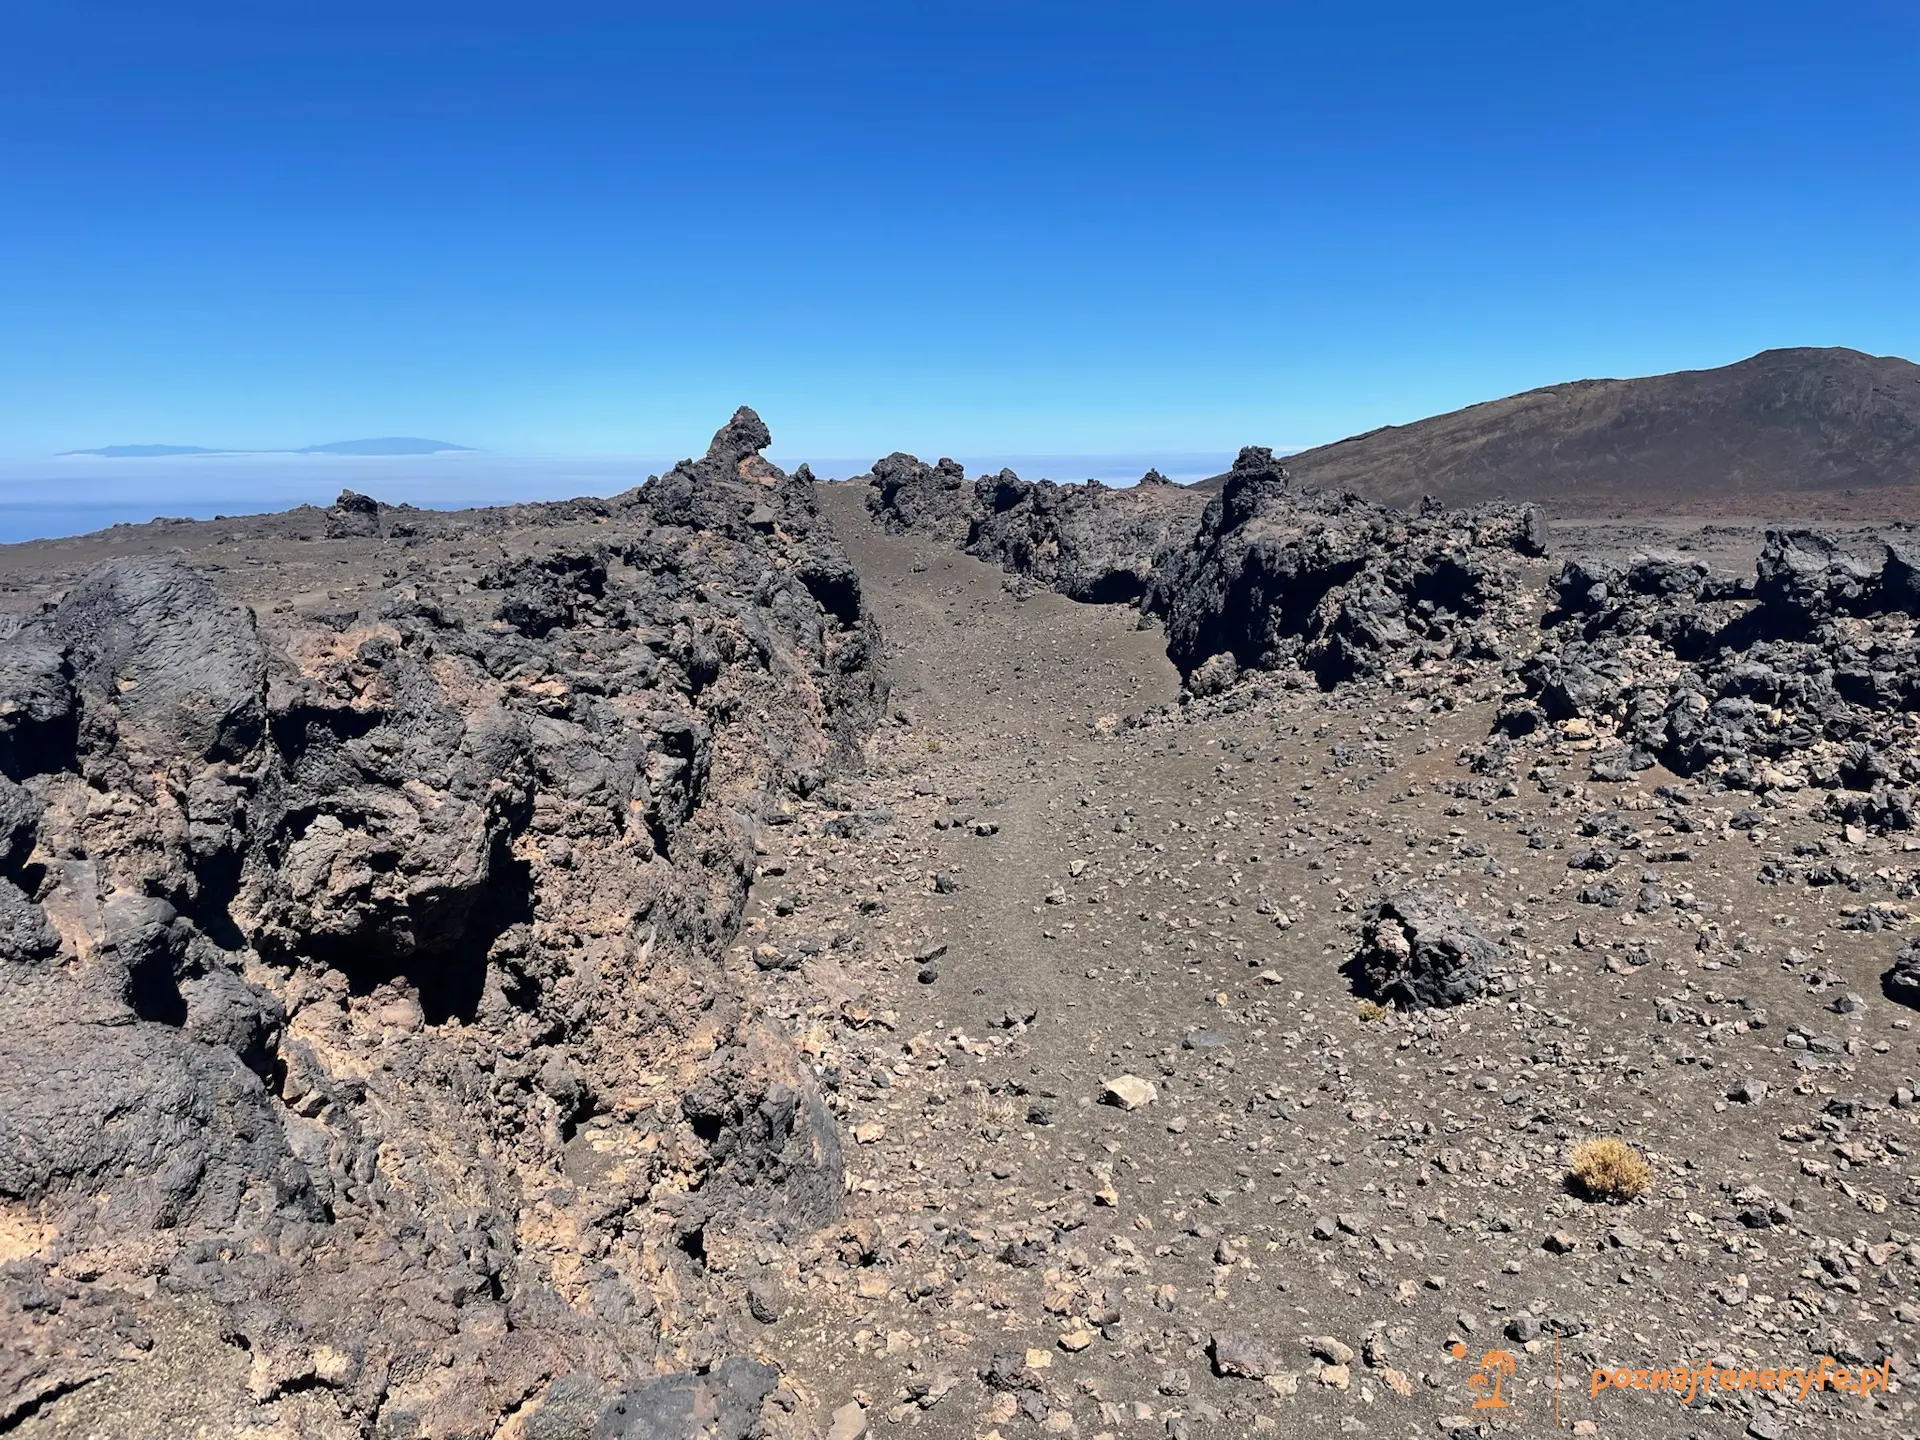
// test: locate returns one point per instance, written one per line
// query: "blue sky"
(977, 229)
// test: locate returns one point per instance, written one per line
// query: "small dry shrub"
(1370, 1011)
(1609, 1170)
(990, 1109)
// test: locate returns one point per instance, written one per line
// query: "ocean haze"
(144, 452)
(382, 445)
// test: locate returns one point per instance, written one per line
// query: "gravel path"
(1320, 1203)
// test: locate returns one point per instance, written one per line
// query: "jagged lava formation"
(1261, 574)
(363, 980)
(1798, 676)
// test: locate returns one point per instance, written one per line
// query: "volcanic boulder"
(353, 516)
(1420, 951)
(1902, 981)
(155, 665)
(908, 496)
(1277, 575)
(1089, 542)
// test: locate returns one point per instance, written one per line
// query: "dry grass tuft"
(989, 1109)
(1609, 1170)
(1370, 1011)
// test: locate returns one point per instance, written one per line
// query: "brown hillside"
(1779, 424)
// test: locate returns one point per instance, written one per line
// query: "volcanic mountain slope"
(1703, 442)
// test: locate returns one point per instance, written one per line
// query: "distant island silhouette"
(384, 445)
(145, 452)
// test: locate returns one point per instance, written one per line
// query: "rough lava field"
(759, 958)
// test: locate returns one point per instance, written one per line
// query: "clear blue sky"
(968, 228)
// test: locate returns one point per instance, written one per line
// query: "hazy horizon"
(95, 492)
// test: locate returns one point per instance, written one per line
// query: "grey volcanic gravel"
(1322, 1200)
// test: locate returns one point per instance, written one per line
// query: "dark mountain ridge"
(1782, 423)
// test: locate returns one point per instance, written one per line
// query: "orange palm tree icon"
(1495, 1367)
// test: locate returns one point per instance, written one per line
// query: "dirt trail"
(1002, 697)
(1321, 1204)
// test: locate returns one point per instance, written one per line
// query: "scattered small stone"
(849, 1422)
(1241, 1356)
(1329, 1349)
(1129, 1092)
(765, 1301)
